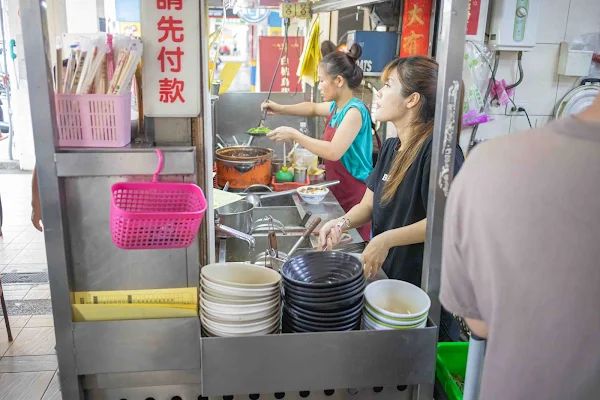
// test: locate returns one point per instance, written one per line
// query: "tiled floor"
(28, 366)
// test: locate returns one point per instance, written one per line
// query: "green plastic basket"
(451, 366)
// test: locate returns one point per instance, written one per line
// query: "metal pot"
(243, 166)
(236, 215)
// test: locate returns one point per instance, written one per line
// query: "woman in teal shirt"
(347, 145)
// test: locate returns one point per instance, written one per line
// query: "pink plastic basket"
(93, 120)
(155, 215)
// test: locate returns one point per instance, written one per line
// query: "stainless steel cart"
(168, 358)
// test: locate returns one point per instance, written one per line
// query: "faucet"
(230, 232)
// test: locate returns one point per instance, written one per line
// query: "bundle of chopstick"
(94, 69)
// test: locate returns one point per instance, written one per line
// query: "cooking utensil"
(255, 198)
(309, 230)
(243, 166)
(237, 215)
(300, 174)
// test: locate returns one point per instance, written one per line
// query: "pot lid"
(577, 100)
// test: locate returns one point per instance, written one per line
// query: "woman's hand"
(36, 214)
(374, 255)
(271, 107)
(284, 134)
(330, 235)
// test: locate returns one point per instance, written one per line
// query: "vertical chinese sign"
(269, 51)
(171, 68)
(416, 22)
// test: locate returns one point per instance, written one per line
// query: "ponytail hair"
(342, 63)
(417, 75)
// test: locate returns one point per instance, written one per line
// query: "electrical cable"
(491, 83)
(520, 109)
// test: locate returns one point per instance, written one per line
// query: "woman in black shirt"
(396, 199)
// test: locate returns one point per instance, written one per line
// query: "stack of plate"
(323, 291)
(239, 299)
(393, 304)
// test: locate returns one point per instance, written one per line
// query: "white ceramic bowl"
(370, 324)
(312, 194)
(266, 331)
(393, 321)
(237, 318)
(397, 299)
(241, 275)
(219, 290)
(241, 328)
(219, 309)
(218, 297)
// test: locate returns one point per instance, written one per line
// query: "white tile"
(4, 343)
(6, 256)
(519, 124)
(33, 342)
(34, 294)
(53, 391)
(537, 92)
(24, 385)
(33, 256)
(28, 364)
(553, 21)
(15, 294)
(40, 321)
(584, 17)
(15, 268)
(500, 126)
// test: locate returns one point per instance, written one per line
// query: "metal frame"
(43, 123)
(101, 359)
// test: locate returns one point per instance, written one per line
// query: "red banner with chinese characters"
(473, 17)
(286, 80)
(416, 22)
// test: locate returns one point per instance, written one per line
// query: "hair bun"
(355, 52)
(327, 47)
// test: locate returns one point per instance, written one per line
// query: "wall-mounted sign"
(171, 75)
(285, 77)
(416, 22)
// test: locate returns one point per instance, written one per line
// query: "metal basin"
(286, 201)
(237, 250)
(288, 216)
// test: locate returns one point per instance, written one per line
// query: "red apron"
(350, 191)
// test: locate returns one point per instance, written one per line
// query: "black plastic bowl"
(310, 298)
(293, 314)
(326, 315)
(297, 326)
(331, 306)
(324, 292)
(327, 269)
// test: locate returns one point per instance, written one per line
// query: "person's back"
(522, 254)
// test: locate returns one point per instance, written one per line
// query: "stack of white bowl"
(392, 304)
(239, 299)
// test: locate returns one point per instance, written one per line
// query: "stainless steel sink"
(285, 200)
(289, 217)
(236, 250)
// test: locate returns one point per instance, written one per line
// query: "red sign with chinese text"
(416, 22)
(286, 79)
(473, 17)
(171, 32)
(171, 75)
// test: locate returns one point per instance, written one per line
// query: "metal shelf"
(123, 161)
(335, 5)
(137, 345)
(316, 361)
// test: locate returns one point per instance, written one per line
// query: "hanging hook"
(159, 166)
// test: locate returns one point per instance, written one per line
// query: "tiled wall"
(542, 87)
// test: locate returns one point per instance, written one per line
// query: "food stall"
(156, 357)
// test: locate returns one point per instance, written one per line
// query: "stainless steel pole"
(7, 88)
(43, 121)
(474, 368)
(450, 53)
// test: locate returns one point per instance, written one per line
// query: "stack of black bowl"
(323, 291)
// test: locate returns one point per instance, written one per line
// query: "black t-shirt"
(409, 205)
